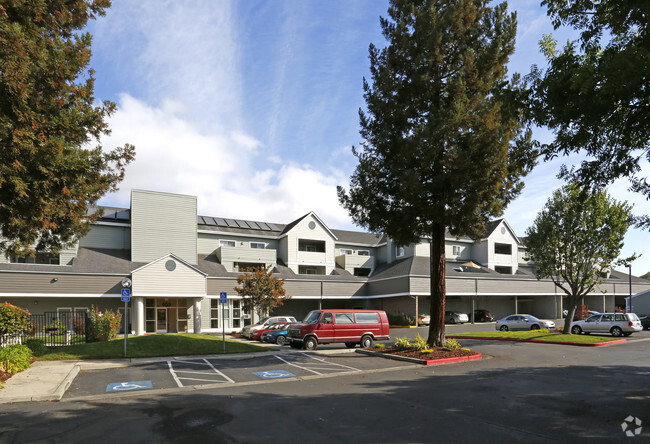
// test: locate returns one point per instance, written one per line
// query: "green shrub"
(37, 346)
(103, 325)
(420, 343)
(451, 344)
(380, 345)
(400, 319)
(402, 343)
(15, 358)
(13, 319)
(542, 330)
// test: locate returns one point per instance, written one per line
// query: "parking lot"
(173, 373)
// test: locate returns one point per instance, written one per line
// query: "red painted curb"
(577, 344)
(422, 361)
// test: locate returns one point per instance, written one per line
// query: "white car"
(248, 331)
(615, 323)
(523, 322)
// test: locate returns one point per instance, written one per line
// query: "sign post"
(223, 298)
(126, 297)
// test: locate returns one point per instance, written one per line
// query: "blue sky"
(253, 105)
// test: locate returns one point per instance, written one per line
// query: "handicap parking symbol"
(127, 386)
(274, 374)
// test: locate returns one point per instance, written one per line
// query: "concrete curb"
(576, 344)
(423, 361)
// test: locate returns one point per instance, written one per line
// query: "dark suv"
(481, 315)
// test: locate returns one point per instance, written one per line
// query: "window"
(362, 272)
(503, 270)
(363, 253)
(214, 313)
(40, 258)
(502, 249)
(367, 318)
(456, 249)
(345, 251)
(327, 318)
(247, 266)
(399, 251)
(313, 246)
(226, 243)
(344, 318)
(260, 245)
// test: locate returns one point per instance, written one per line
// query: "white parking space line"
(178, 374)
(322, 365)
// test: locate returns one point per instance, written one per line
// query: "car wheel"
(281, 340)
(576, 330)
(310, 343)
(350, 344)
(366, 341)
(452, 321)
(616, 331)
(534, 327)
(503, 328)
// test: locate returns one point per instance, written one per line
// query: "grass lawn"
(537, 336)
(170, 344)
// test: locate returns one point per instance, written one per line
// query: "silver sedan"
(523, 322)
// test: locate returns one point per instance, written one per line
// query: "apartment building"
(179, 262)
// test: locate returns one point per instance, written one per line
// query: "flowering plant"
(103, 325)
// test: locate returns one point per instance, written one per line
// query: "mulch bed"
(4, 376)
(437, 353)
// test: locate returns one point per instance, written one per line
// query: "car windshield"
(312, 317)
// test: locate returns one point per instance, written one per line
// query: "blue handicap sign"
(223, 297)
(126, 292)
(274, 374)
(127, 386)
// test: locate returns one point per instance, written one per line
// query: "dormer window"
(456, 249)
(503, 249)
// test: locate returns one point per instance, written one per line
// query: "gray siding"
(106, 236)
(45, 283)
(389, 286)
(162, 223)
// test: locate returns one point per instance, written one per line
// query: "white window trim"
(397, 252)
(367, 252)
(227, 241)
(456, 250)
(263, 245)
(345, 250)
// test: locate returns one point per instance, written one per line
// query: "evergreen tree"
(444, 139)
(595, 92)
(575, 239)
(48, 174)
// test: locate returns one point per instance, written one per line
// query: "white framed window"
(399, 251)
(363, 252)
(260, 245)
(345, 251)
(456, 249)
(226, 243)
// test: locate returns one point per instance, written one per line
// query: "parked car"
(645, 322)
(248, 331)
(350, 327)
(481, 315)
(523, 322)
(257, 335)
(615, 323)
(454, 317)
(277, 335)
(424, 319)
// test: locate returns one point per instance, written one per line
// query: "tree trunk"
(572, 302)
(437, 286)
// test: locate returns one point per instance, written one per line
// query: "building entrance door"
(161, 320)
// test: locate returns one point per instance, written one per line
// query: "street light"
(629, 267)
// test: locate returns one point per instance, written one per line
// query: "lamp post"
(629, 267)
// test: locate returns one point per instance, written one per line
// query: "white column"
(196, 306)
(137, 317)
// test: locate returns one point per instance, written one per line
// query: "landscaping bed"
(540, 337)
(436, 355)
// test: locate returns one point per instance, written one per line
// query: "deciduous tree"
(575, 240)
(444, 140)
(48, 118)
(261, 291)
(594, 94)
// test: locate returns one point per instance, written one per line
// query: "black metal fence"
(60, 328)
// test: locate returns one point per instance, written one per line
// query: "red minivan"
(350, 327)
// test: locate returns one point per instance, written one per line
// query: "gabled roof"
(171, 255)
(297, 221)
(495, 223)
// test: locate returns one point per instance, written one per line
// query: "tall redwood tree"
(445, 144)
